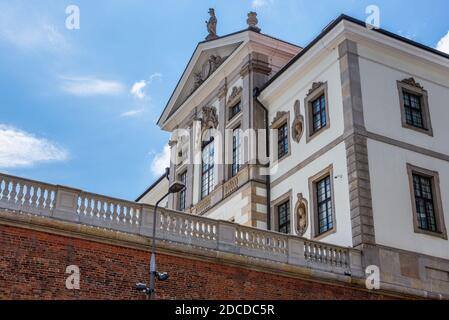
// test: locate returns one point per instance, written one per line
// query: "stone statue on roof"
(212, 25)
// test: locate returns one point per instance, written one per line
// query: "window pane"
(236, 160)
(182, 194)
(235, 110)
(425, 209)
(283, 141)
(413, 110)
(324, 205)
(284, 217)
(207, 177)
(319, 120)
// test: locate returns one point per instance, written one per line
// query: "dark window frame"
(319, 115)
(182, 197)
(318, 92)
(411, 88)
(274, 212)
(236, 152)
(235, 110)
(323, 189)
(207, 169)
(317, 232)
(284, 217)
(433, 177)
(283, 140)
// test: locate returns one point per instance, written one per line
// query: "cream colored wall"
(299, 183)
(157, 193)
(327, 70)
(379, 74)
(230, 208)
(392, 204)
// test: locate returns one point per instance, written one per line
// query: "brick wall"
(33, 263)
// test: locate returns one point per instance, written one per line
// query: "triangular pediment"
(208, 62)
(208, 57)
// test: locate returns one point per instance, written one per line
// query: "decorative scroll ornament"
(298, 123)
(253, 21)
(413, 83)
(315, 86)
(210, 118)
(212, 25)
(278, 117)
(209, 67)
(301, 211)
(235, 95)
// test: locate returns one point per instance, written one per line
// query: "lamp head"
(162, 276)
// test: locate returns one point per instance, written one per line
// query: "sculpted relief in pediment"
(209, 67)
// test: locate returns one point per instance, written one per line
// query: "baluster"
(82, 205)
(89, 207)
(114, 211)
(109, 211)
(103, 211)
(1, 188)
(178, 225)
(119, 213)
(20, 195)
(131, 215)
(34, 198)
(49, 200)
(96, 210)
(125, 214)
(6, 189)
(12, 195)
(27, 197)
(41, 200)
(136, 216)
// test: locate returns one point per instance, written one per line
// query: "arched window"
(207, 168)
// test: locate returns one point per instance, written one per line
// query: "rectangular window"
(283, 141)
(319, 118)
(236, 151)
(284, 217)
(425, 208)
(413, 110)
(235, 110)
(182, 194)
(207, 176)
(324, 205)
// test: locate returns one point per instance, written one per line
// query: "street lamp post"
(176, 187)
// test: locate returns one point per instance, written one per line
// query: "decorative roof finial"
(253, 21)
(212, 25)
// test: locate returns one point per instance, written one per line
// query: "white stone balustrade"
(24, 196)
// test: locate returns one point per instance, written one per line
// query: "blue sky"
(79, 107)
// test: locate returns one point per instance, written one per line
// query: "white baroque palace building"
(357, 143)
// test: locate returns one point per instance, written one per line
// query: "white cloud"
(155, 76)
(137, 89)
(132, 113)
(256, 4)
(443, 44)
(89, 86)
(161, 161)
(26, 28)
(21, 149)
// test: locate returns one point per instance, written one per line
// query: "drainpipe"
(256, 94)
